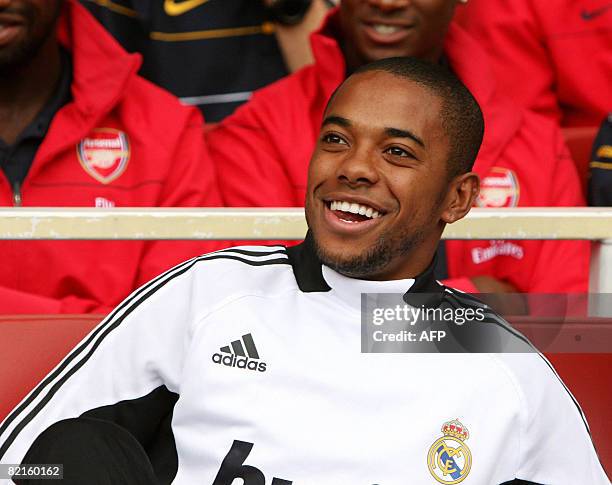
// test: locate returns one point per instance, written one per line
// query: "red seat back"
(587, 377)
(32, 345)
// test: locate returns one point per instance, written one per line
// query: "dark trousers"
(92, 452)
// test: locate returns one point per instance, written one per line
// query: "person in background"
(553, 56)
(213, 53)
(262, 151)
(79, 128)
(600, 181)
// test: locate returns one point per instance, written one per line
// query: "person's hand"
(293, 40)
(509, 304)
(488, 284)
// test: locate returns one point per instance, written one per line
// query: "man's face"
(382, 152)
(377, 29)
(24, 26)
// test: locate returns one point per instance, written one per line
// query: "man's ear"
(462, 192)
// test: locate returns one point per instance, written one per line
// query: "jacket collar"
(307, 266)
(329, 60)
(466, 59)
(101, 67)
(309, 273)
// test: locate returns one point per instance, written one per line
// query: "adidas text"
(231, 360)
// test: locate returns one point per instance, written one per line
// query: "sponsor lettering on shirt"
(497, 248)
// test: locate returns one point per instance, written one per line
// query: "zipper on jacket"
(17, 194)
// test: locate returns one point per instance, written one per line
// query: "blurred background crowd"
(212, 103)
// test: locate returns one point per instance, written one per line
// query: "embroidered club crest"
(449, 458)
(104, 154)
(500, 188)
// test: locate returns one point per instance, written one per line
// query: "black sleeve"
(600, 181)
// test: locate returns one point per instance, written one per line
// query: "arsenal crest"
(500, 188)
(104, 154)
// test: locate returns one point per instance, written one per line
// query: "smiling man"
(377, 192)
(245, 364)
(262, 150)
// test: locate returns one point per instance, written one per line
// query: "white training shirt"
(304, 406)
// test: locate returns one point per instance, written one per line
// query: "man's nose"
(359, 168)
(386, 5)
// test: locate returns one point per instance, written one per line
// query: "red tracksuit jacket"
(262, 153)
(553, 56)
(121, 142)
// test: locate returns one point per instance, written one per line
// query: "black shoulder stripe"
(250, 262)
(550, 366)
(103, 330)
(552, 369)
(465, 297)
(490, 316)
(495, 319)
(584, 420)
(247, 252)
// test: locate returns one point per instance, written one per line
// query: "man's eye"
(333, 138)
(399, 152)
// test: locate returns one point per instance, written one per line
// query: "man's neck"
(25, 90)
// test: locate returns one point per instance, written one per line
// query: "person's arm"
(563, 266)
(600, 179)
(245, 151)
(294, 40)
(129, 367)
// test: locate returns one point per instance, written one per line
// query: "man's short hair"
(461, 115)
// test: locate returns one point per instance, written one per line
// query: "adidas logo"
(234, 355)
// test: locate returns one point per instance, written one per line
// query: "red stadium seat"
(587, 376)
(31, 346)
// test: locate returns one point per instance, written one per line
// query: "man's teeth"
(353, 208)
(384, 29)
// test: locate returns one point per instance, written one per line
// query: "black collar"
(425, 291)
(306, 266)
(61, 96)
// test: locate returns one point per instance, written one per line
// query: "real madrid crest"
(104, 154)
(449, 458)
